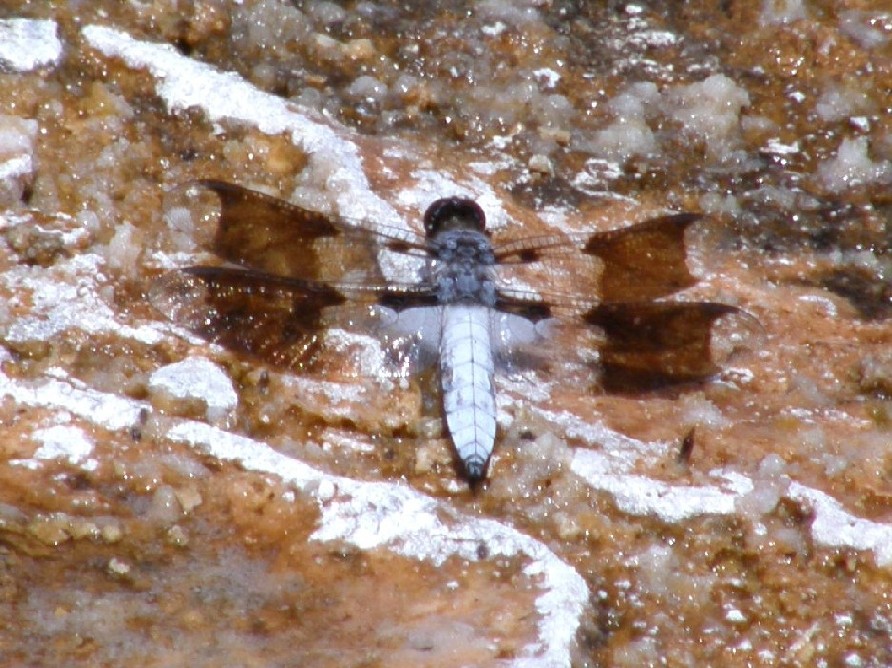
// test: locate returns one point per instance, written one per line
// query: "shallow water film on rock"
(165, 501)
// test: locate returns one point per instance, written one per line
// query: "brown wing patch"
(274, 319)
(278, 320)
(644, 261)
(638, 263)
(271, 235)
(653, 345)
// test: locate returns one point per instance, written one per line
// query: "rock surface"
(319, 520)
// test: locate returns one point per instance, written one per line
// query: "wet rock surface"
(147, 516)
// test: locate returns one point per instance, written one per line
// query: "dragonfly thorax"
(462, 269)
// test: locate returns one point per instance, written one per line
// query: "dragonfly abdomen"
(467, 368)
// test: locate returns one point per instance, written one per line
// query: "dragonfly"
(288, 274)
